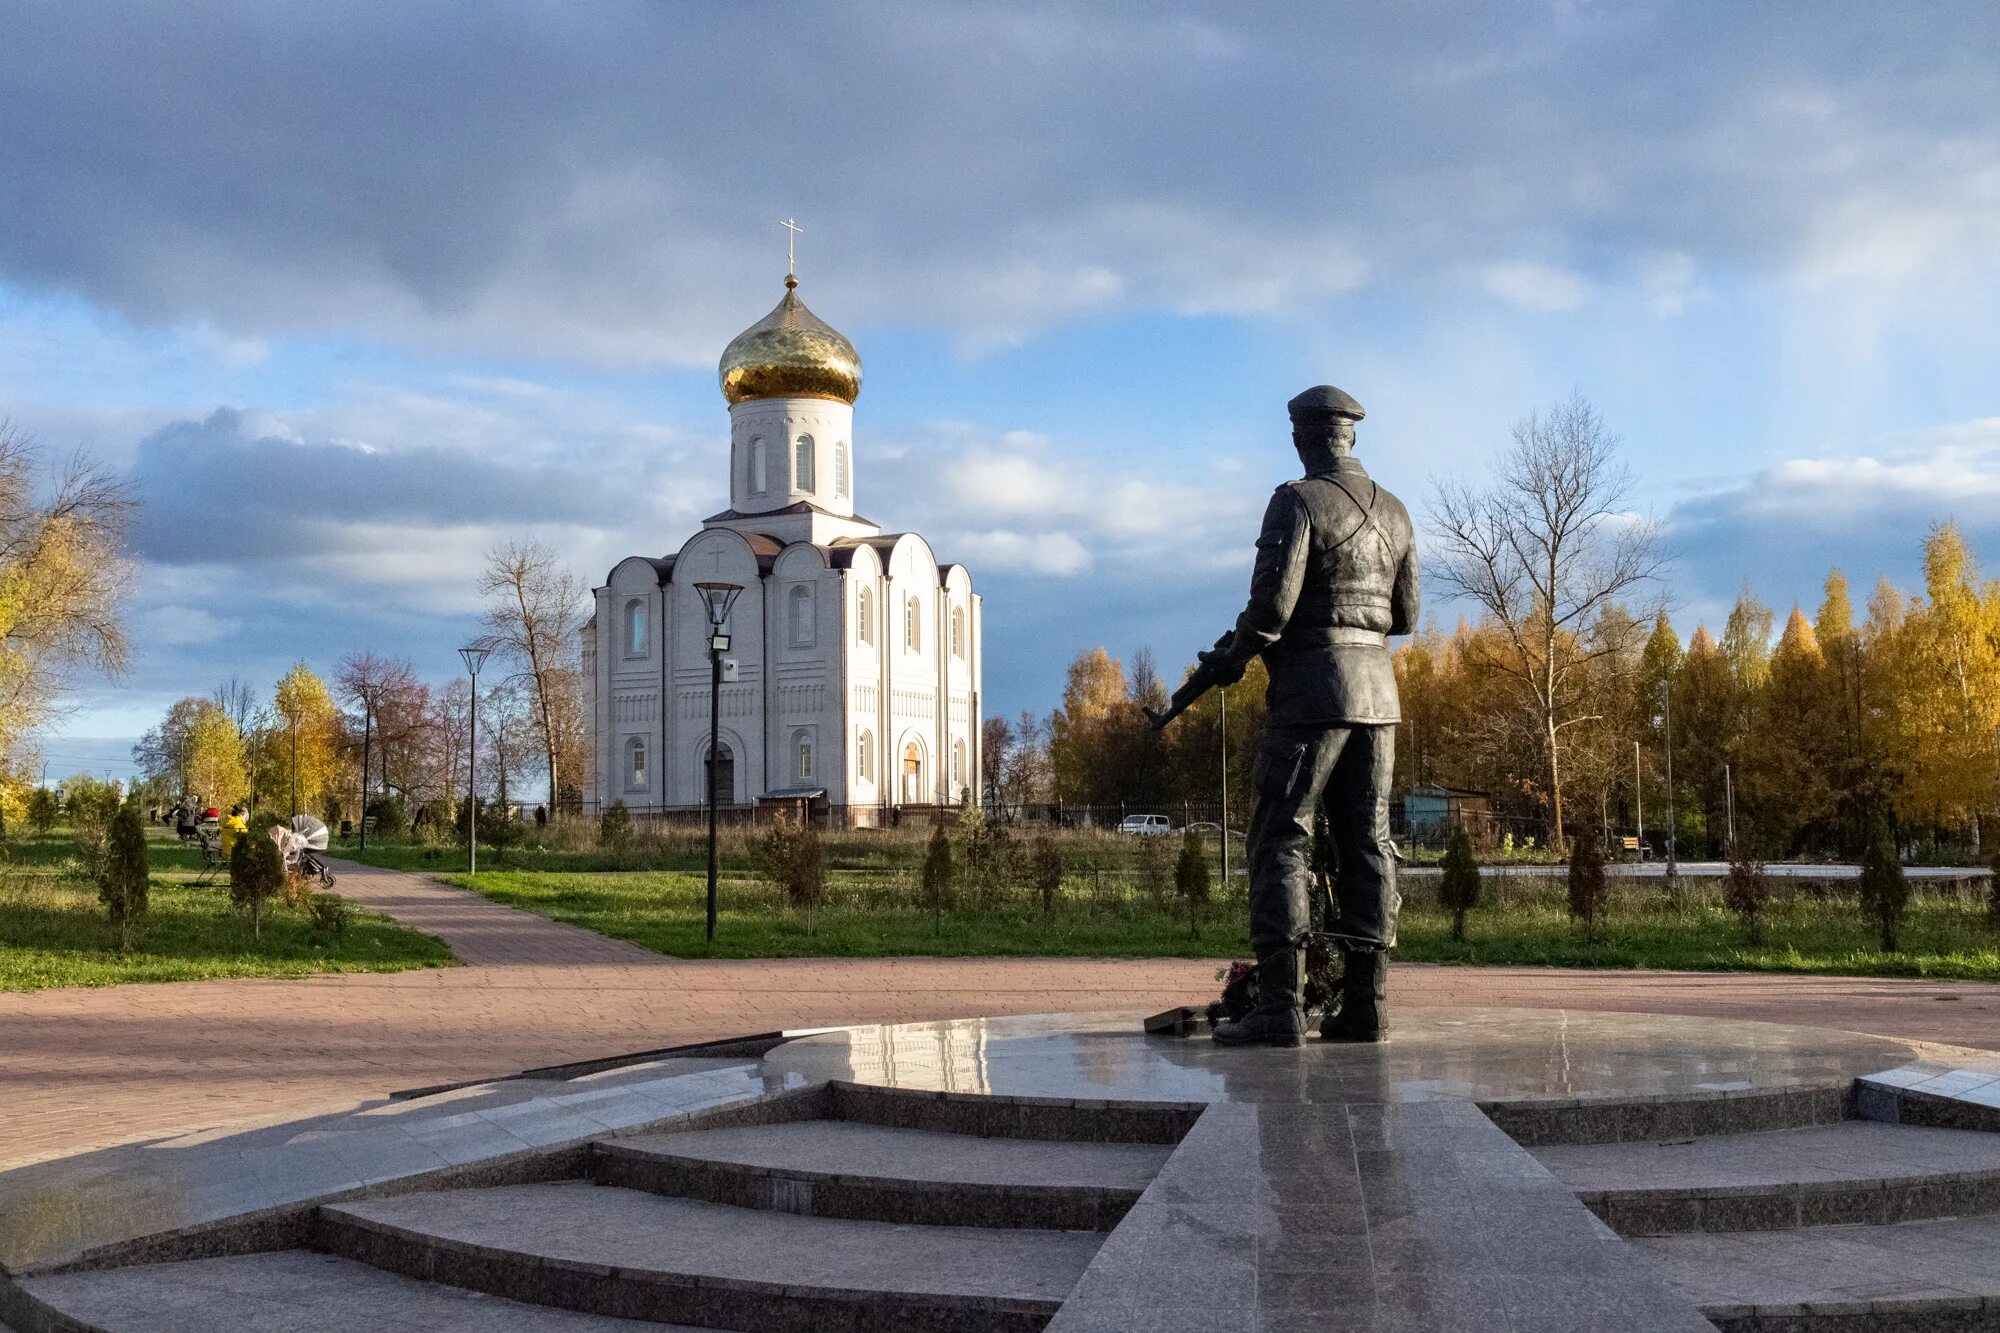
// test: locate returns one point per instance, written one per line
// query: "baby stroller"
(302, 844)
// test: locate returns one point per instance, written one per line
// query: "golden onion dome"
(790, 353)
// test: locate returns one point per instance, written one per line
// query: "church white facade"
(852, 681)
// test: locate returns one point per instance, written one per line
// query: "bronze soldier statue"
(1336, 574)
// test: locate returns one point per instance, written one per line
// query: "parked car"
(1146, 826)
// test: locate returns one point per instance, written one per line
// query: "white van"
(1146, 826)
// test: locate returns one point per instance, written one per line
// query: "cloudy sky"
(354, 291)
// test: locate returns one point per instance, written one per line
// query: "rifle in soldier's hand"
(1212, 668)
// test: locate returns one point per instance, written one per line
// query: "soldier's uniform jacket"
(1336, 573)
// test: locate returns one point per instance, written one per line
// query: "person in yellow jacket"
(234, 826)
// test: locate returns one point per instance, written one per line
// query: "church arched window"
(913, 630)
(958, 631)
(802, 464)
(957, 765)
(760, 478)
(802, 618)
(802, 754)
(840, 468)
(864, 615)
(635, 763)
(864, 756)
(635, 628)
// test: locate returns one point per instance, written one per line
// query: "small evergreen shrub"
(614, 830)
(1191, 879)
(123, 875)
(1586, 881)
(1047, 870)
(1747, 889)
(1885, 892)
(940, 874)
(256, 873)
(1458, 888)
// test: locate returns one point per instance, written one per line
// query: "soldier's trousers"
(1352, 766)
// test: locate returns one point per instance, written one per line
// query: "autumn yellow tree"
(1946, 697)
(1085, 733)
(304, 742)
(216, 770)
(1791, 750)
(63, 576)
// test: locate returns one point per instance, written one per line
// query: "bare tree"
(1545, 551)
(533, 622)
(237, 698)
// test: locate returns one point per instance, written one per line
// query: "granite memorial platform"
(1488, 1169)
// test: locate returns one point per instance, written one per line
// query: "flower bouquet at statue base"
(1324, 965)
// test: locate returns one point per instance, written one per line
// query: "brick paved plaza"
(86, 1068)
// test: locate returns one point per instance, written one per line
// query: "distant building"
(853, 685)
(1430, 813)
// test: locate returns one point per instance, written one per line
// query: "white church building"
(852, 680)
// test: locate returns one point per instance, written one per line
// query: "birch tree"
(532, 620)
(1544, 550)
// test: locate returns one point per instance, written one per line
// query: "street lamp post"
(475, 658)
(367, 715)
(719, 597)
(1225, 788)
(1667, 721)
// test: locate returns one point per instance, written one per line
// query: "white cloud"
(996, 169)
(1865, 513)
(1041, 553)
(179, 626)
(1534, 286)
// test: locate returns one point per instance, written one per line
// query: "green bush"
(123, 876)
(43, 810)
(1885, 892)
(330, 915)
(1458, 888)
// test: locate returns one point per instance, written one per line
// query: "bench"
(1632, 845)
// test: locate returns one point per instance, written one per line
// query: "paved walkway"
(84, 1068)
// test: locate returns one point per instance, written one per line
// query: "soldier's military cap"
(1324, 400)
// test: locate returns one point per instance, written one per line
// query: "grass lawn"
(53, 931)
(1524, 922)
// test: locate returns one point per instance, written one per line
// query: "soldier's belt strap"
(1347, 635)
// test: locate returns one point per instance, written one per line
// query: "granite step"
(839, 1168)
(1858, 1171)
(1939, 1276)
(989, 1116)
(295, 1289)
(608, 1250)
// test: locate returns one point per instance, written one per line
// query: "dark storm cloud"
(600, 180)
(218, 491)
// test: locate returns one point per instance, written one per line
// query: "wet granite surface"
(53, 1211)
(1333, 1187)
(1482, 1055)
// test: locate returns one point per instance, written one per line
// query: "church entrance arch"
(912, 768)
(724, 763)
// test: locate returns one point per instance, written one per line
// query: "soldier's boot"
(1364, 994)
(1277, 1020)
